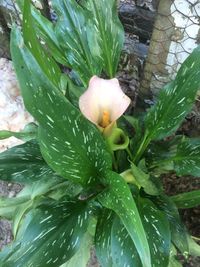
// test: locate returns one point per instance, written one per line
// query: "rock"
(13, 116)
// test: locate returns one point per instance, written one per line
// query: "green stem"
(145, 142)
(114, 162)
(129, 153)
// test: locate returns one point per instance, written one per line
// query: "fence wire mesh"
(176, 33)
(159, 35)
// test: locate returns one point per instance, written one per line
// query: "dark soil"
(10, 190)
(190, 217)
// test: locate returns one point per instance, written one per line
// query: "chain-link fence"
(160, 34)
(175, 34)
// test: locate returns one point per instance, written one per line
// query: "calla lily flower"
(103, 102)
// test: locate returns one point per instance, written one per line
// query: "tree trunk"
(175, 35)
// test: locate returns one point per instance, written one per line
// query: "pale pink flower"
(103, 102)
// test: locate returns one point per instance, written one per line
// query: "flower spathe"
(103, 102)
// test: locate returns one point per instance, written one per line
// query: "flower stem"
(129, 153)
(145, 142)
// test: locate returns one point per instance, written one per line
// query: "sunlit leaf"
(86, 34)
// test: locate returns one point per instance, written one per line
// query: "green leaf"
(173, 262)
(187, 158)
(15, 208)
(160, 152)
(119, 199)
(194, 247)
(181, 155)
(103, 237)
(144, 180)
(8, 206)
(72, 31)
(45, 29)
(187, 200)
(157, 229)
(115, 247)
(137, 131)
(178, 231)
(69, 143)
(123, 250)
(158, 232)
(49, 236)
(175, 100)
(82, 256)
(24, 164)
(28, 133)
(46, 62)
(104, 19)
(85, 34)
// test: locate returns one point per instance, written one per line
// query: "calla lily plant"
(90, 180)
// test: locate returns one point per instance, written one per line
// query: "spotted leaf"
(177, 229)
(114, 242)
(187, 158)
(175, 100)
(24, 164)
(156, 226)
(71, 31)
(114, 246)
(82, 256)
(158, 232)
(181, 155)
(109, 32)
(118, 198)
(70, 144)
(49, 236)
(51, 70)
(103, 237)
(123, 249)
